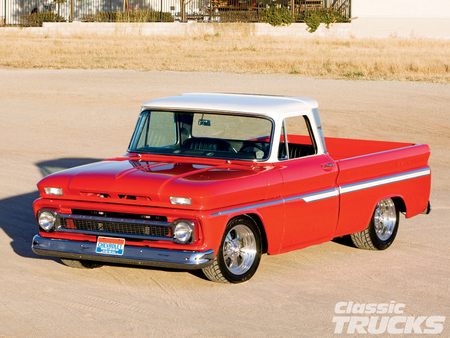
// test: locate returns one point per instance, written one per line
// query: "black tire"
(73, 263)
(382, 229)
(239, 253)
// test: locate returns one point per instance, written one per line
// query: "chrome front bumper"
(186, 260)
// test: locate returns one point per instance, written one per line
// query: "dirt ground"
(54, 119)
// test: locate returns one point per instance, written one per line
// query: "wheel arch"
(255, 218)
(400, 203)
(398, 200)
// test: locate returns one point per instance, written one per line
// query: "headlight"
(53, 191)
(183, 232)
(46, 219)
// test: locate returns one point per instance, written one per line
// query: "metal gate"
(23, 12)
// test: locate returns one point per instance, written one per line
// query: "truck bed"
(375, 170)
(342, 148)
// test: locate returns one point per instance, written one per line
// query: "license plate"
(110, 246)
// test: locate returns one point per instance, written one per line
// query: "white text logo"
(380, 318)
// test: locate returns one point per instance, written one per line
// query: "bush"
(98, 17)
(314, 18)
(276, 16)
(136, 16)
(239, 16)
(36, 19)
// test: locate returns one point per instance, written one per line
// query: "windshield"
(203, 135)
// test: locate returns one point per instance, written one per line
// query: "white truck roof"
(233, 103)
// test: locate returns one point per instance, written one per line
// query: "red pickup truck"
(213, 181)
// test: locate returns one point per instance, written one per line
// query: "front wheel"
(239, 253)
(382, 229)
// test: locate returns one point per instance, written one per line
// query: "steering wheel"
(250, 148)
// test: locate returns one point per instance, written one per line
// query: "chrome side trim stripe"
(324, 194)
(385, 180)
(259, 205)
(321, 196)
(307, 198)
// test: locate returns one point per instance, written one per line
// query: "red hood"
(152, 183)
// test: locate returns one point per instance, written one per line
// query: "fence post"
(183, 11)
(72, 6)
(292, 7)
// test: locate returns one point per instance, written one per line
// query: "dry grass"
(366, 59)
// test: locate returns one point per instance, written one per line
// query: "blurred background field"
(392, 59)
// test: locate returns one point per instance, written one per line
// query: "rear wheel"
(382, 229)
(239, 253)
(73, 263)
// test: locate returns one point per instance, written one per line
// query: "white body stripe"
(382, 181)
(321, 196)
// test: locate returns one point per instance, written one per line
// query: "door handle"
(327, 166)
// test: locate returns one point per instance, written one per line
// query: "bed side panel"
(366, 180)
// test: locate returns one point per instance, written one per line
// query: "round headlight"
(183, 232)
(47, 220)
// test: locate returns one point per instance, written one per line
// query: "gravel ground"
(54, 119)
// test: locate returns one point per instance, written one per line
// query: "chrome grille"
(98, 213)
(116, 227)
(130, 226)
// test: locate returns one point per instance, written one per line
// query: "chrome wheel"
(385, 219)
(382, 229)
(239, 249)
(239, 253)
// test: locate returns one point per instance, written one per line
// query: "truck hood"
(152, 183)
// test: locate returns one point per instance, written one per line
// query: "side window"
(140, 138)
(296, 138)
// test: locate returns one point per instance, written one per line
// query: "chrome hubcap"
(239, 249)
(385, 219)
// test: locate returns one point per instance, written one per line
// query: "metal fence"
(19, 12)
